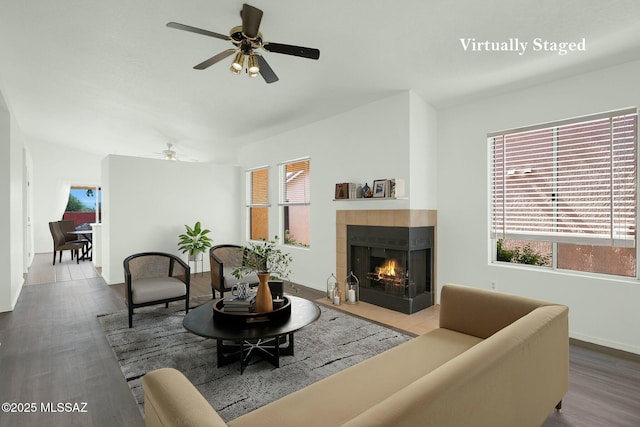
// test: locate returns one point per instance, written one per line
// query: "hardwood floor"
(53, 350)
(604, 389)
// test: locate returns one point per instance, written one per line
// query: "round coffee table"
(267, 340)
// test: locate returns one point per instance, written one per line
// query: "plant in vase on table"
(268, 261)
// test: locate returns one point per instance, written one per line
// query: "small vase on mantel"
(365, 191)
(264, 302)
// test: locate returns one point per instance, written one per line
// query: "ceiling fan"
(170, 154)
(248, 41)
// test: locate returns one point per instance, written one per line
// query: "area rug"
(334, 342)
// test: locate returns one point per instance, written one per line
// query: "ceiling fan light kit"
(247, 41)
(237, 63)
(253, 68)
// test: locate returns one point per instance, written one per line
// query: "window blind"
(573, 181)
(295, 182)
(257, 190)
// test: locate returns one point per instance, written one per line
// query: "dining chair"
(67, 225)
(60, 244)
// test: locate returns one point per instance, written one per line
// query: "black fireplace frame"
(407, 239)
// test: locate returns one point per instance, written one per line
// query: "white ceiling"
(110, 77)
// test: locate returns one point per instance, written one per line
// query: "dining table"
(88, 235)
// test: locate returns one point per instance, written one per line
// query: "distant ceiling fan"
(171, 154)
(248, 40)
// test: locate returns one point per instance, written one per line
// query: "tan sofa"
(496, 360)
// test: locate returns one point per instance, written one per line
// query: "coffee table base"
(269, 349)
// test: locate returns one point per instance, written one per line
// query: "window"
(84, 205)
(295, 184)
(257, 181)
(563, 195)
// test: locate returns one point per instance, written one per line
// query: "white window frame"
(249, 197)
(614, 239)
(284, 202)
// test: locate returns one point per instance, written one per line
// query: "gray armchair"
(155, 278)
(224, 259)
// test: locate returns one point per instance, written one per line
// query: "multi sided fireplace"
(394, 265)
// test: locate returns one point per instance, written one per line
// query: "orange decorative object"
(264, 303)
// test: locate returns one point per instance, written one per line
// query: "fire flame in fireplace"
(387, 269)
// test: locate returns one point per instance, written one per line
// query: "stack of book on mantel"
(240, 305)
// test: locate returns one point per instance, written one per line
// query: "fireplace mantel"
(379, 217)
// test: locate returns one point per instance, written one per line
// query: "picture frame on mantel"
(380, 188)
(342, 191)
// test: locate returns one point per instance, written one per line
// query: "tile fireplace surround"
(388, 218)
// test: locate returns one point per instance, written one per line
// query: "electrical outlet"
(493, 285)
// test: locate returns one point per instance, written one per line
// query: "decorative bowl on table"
(239, 318)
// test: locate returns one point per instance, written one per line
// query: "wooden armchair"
(224, 259)
(155, 278)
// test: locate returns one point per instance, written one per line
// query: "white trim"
(257, 168)
(300, 159)
(574, 120)
(596, 240)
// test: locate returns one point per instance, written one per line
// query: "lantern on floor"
(351, 289)
(336, 296)
(332, 284)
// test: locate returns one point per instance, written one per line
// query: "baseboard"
(6, 309)
(605, 349)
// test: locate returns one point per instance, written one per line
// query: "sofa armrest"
(514, 378)
(480, 312)
(171, 400)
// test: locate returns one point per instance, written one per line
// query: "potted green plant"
(268, 261)
(194, 241)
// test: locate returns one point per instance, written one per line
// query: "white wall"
(28, 211)
(147, 202)
(423, 156)
(12, 163)
(55, 168)
(6, 300)
(602, 310)
(367, 143)
(17, 215)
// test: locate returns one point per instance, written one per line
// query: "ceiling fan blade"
(209, 62)
(265, 70)
(287, 49)
(251, 17)
(191, 29)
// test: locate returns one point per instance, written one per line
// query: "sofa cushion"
(156, 288)
(372, 381)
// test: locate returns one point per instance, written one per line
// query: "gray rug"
(157, 340)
